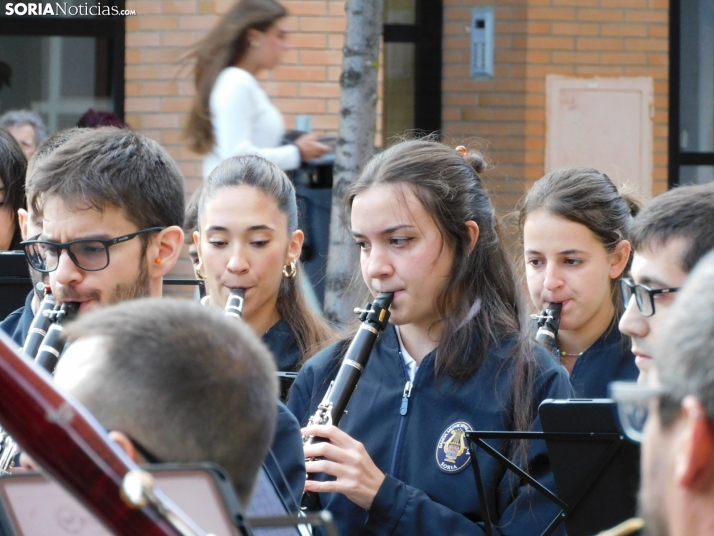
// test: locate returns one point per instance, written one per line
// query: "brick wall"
(159, 86)
(535, 38)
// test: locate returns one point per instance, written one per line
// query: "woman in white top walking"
(231, 114)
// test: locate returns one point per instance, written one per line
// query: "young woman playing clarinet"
(248, 238)
(456, 355)
(575, 226)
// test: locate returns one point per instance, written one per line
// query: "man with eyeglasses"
(670, 234)
(17, 324)
(673, 415)
(112, 204)
(112, 208)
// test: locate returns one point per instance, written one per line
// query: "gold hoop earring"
(292, 272)
(197, 269)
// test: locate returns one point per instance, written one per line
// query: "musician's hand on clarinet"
(358, 478)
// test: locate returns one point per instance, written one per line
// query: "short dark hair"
(112, 167)
(684, 357)
(55, 141)
(686, 212)
(185, 382)
(13, 165)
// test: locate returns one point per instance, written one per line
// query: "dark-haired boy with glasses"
(673, 414)
(112, 208)
(669, 235)
(112, 204)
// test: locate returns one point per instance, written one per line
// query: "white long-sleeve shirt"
(245, 122)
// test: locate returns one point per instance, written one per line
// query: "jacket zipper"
(403, 413)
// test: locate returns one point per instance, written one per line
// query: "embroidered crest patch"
(452, 450)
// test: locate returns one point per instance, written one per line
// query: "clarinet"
(548, 324)
(234, 305)
(49, 353)
(38, 329)
(40, 324)
(374, 319)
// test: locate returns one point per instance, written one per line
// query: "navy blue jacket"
(283, 345)
(286, 452)
(608, 360)
(418, 496)
(286, 462)
(17, 324)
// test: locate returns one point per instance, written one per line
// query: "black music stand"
(200, 283)
(594, 470)
(15, 282)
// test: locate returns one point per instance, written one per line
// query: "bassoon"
(70, 445)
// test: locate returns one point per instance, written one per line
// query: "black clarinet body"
(51, 349)
(40, 325)
(235, 302)
(374, 319)
(548, 324)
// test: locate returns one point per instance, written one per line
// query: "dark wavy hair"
(13, 166)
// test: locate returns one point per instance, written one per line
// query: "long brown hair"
(310, 330)
(224, 46)
(482, 299)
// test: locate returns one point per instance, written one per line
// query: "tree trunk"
(355, 146)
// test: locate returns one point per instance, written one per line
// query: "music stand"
(200, 283)
(572, 428)
(15, 282)
(32, 505)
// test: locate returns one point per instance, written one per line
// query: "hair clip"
(463, 151)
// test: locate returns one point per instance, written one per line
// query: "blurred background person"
(27, 127)
(231, 114)
(95, 119)
(13, 165)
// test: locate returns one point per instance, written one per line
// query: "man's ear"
(474, 233)
(619, 258)
(121, 439)
(164, 250)
(295, 246)
(695, 449)
(23, 218)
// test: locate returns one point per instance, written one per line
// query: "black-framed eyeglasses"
(89, 254)
(644, 296)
